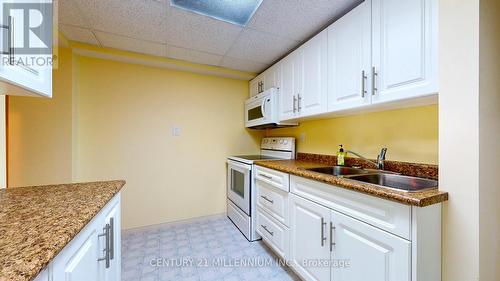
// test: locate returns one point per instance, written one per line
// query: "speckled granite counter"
(298, 167)
(37, 222)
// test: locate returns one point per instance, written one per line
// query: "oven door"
(258, 111)
(238, 184)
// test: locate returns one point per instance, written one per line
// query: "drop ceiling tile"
(260, 47)
(140, 19)
(69, 13)
(298, 19)
(244, 65)
(193, 31)
(79, 34)
(130, 44)
(192, 55)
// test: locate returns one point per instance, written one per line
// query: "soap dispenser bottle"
(340, 156)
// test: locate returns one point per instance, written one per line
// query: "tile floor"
(210, 248)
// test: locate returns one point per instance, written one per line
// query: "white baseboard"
(178, 222)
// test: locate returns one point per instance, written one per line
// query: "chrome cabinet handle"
(374, 80)
(10, 34)
(294, 101)
(332, 241)
(267, 199)
(106, 250)
(267, 230)
(299, 98)
(363, 78)
(112, 238)
(266, 176)
(323, 237)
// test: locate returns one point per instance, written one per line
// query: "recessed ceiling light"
(234, 11)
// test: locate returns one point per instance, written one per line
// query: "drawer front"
(273, 233)
(387, 215)
(275, 178)
(274, 201)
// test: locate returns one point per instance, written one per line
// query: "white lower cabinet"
(274, 233)
(94, 254)
(363, 252)
(272, 209)
(328, 245)
(309, 243)
(328, 233)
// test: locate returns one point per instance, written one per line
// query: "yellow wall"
(39, 132)
(410, 134)
(124, 117)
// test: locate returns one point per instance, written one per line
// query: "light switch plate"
(302, 137)
(176, 131)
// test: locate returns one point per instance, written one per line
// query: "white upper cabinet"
(312, 98)
(349, 59)
(381, 51)
(25, 68)
(404, 49)
(304, 80)
(266, 80)
(291, 72)
(372, 254)
(271, 77)
(254, 87)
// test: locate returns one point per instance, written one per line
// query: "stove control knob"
(281, 141)
(285, 142)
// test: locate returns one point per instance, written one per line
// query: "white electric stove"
(241, 203)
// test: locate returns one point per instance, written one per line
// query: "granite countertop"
(36, 222)
(298, 167)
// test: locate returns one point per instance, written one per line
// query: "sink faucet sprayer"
(380, 158)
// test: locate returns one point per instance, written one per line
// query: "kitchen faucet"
(380, 158)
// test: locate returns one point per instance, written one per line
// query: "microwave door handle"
(264, 107)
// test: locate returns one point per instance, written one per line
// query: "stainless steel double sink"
(385, 179)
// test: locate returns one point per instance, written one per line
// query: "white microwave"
(262, 111)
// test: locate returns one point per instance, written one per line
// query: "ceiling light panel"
(234, 11)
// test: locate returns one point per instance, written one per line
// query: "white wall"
(489, 140)
(459, 137)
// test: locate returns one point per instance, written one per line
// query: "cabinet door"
(254, 87)
(113, 218)
(288, 90)
(404, 49)
(349, 59)
(28, 73)
(313, 77)
(363, 252)
(78, 260)
(268, 79)
(309, 243)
